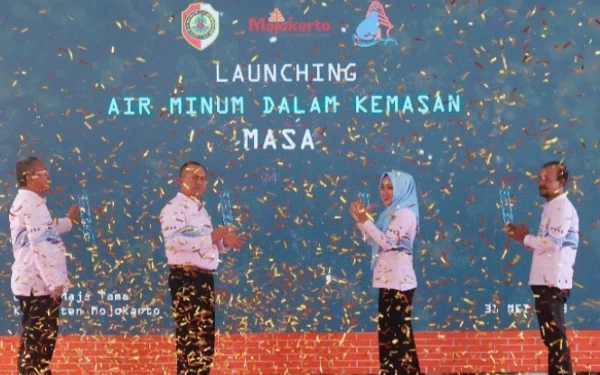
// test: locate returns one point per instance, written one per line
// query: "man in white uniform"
(554, 250)
(39, 273)
(193, 247)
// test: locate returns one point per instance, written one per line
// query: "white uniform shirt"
(555, 246)
(186, 228)
(394, 263)
(40, 255)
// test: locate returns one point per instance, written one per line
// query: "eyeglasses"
(43, 172)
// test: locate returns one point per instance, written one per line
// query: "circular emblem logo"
(200, 24)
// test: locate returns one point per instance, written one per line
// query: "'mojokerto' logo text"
(276, 24)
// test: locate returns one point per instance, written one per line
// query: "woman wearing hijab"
(392, 238)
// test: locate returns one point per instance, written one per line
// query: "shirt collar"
(559, 197)
(26, 193)
(189, 200)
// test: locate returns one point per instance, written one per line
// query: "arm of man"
(218, 236)
(62, 225)
(558, 227)
(65, 224)
(401, 222)
(48, 249)
(221, 247)
(231, 240)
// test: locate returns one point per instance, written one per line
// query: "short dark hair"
(186, 164)
(563, 171)
(22, 167)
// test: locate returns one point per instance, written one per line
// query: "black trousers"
(193, 303)
(550, 311)
(397, 349)
(40, 329)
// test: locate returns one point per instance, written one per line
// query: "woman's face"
(386, 190)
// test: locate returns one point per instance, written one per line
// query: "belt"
(192, 269)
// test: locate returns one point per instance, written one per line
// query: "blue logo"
(371, 31)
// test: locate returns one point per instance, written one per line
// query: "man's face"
(548, 182)
(193, 181)
(38, 178)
